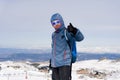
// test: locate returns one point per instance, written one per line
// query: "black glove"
(72, 29)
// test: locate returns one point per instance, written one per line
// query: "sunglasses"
(55, 22)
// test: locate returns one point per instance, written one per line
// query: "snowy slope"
(97, 70)
(20, 71)
(82, 70)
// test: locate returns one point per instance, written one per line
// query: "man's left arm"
(75, 32)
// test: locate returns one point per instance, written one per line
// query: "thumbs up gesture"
(71, 29)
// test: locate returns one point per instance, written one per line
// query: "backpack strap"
(68, 42)
(65, 33)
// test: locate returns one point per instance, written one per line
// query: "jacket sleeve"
(78, 36)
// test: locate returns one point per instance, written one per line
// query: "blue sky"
(26, 23)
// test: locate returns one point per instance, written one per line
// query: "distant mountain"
(89, 56)
(44, 55)
(15, 54)
(29, 57)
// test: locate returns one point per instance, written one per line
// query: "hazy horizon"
(26, 23)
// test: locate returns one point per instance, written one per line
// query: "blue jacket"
(61, 54)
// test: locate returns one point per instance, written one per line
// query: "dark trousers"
(61, 73)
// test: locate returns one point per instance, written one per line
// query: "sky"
(26, 23)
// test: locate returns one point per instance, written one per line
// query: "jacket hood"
(57, 16)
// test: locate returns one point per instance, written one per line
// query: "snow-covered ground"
(97, 70)
(82, 70)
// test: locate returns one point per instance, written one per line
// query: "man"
(61, 53)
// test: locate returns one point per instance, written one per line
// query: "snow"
(82, 70)
(109, 69)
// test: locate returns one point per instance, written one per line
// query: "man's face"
(56, 24)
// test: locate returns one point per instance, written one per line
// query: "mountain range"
(35, 55)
